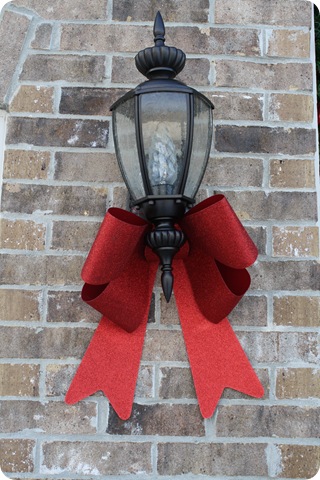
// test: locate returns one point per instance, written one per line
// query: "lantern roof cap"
(160, 61)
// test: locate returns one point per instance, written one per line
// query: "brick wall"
(62, 66)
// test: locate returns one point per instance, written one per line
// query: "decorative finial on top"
(160, 61)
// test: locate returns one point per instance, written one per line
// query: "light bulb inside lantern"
(163, 164)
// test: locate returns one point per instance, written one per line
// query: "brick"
(26, 164)
(196, 71)
(257, 205)
(298, 383)
(164, 345)
(299, 347)
(58, 379)
(67, 306)
(169, 313)
(22, 234)
(50, 270)
(13, 31)
(158, 419)
(176, 382)
(251, 311)
(17, 455)
(252, 139)
(172, 11)
(266, 76)
(259, 237)
(285, 275)
(74, 235)
(42, 37)
(290, 108)
(89, 101)
(299, 461)
(144, 387)
(59, 343)
(295, 13)
(295, 241)
(60, 200)
(51, 417)
(19, 380)
(58, 132)
(212, 459)
(33, 99)
(302, 311)
(236, 105)
(232, 171)
(288, 43)
(267, 421)
(71, 10)
(69, 68)
(292, 174)
(260, 346)
(20, 305)
(88, 167)
(102, 458)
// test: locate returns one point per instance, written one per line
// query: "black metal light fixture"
(162, 133)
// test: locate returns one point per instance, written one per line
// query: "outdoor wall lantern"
(162, 133)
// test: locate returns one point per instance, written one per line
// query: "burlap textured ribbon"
(210, 279)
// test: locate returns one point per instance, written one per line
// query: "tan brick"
(233, 171)
(70, 68)
(288, 43)
(291, 108)
(121, 198)
(59, 343)
(50, 270)
(265, 421)
(19, 305)
(298, 383)
(285, 275)
(13, 31)
(295, 241)
(252, 139)
(19, 380)
(51, 417)
(299, 461)
(88, 167)
(212, 459)
(89, 101)
(172, 11)
(71, 10)
(159, 419)
(169, 313)
(267, 76)
(236, 106)
(22, 234)
(102, 458)
(67, 306)
(302, 311)
(58, 132)
(295, 12)
(292, 174)
(17, 455)
(61, 200)
(164, 345)
(26, 164)
(74, 235)
(33, 99)
(42, 37)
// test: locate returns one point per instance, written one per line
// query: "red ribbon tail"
(110, 364)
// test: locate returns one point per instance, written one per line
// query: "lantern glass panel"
(202, 137)
(124, 129)
(164, 125)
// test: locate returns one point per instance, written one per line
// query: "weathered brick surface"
(292, 174)
(22, 235)
(89, 101)
(88, 167)
(166, 420)
(288, 43)
(42, 37)
(19, 305)
(57, 132)
(67, 306)
(72, 10)
(297, 311)
(212, 459)
(164, 345)
(19, 380)
(26, 164)
(250, 311)
(285, 275)
(295, 241)
(298, 383)
(233, 171)
(74, 235)
(33, 99)
(236, 106)
(104, 458)
(17, 455)
(291, 108)
(52, 417)
(299, 461)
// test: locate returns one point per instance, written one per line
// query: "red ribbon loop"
(210, 279)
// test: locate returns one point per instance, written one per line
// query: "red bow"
(210, 279)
